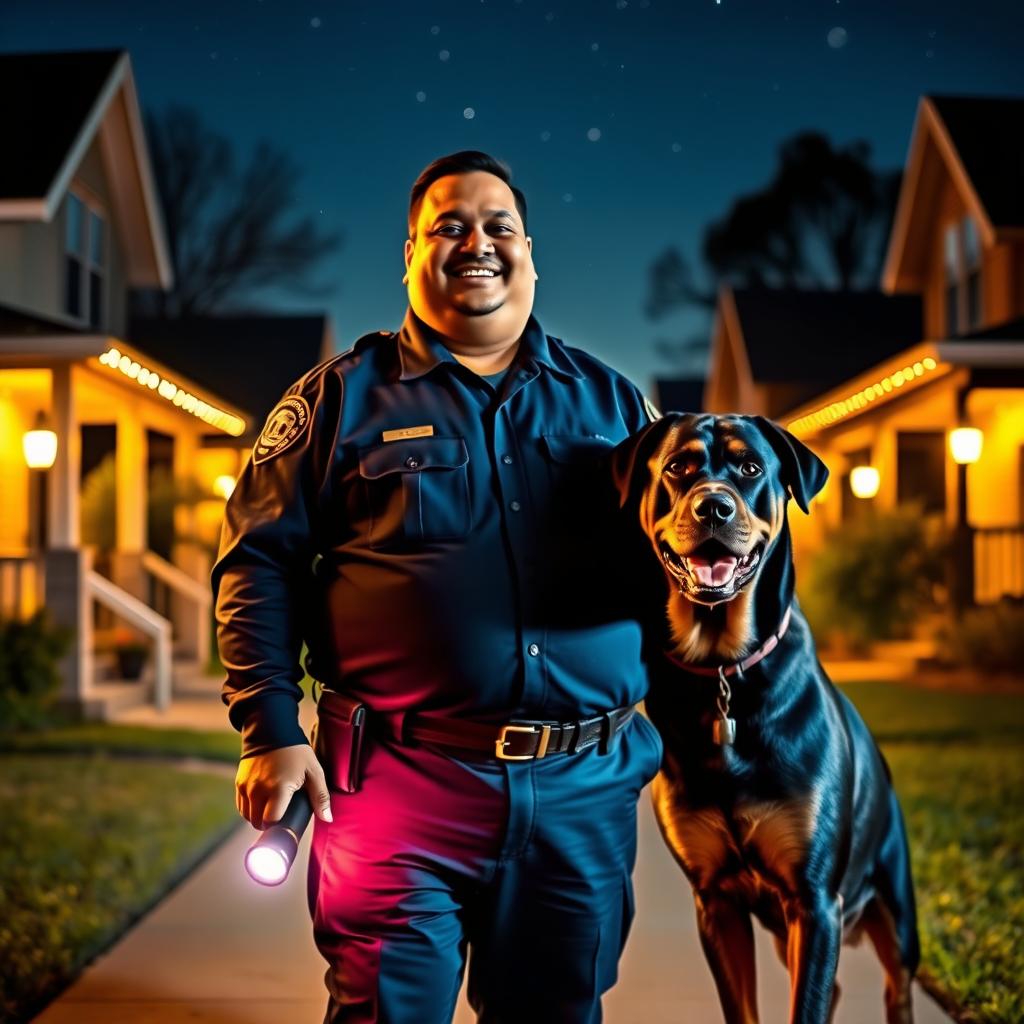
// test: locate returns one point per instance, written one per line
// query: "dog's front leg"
(728, 941)
(815, 932)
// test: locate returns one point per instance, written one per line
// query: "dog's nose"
(714, 509)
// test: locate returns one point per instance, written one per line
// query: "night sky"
(629, 125)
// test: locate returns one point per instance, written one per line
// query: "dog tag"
(724, 731)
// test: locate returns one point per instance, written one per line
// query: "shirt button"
(507, 459)
(534, 650)
(515, 506)
(413, 462)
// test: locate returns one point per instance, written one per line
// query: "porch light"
(39, 445)
(965, 445)
(224, 485)
(864, 481)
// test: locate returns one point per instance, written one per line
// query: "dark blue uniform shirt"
(441, 544)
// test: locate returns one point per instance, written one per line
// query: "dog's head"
(711, 493)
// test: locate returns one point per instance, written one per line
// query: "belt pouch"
(338, 740)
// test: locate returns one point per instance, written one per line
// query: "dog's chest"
(752, 846)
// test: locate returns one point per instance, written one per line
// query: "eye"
(506, 229)
(448, 229)
(680, 468)
(750, 469)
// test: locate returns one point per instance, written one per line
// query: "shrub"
(873, 579)
(989, 638)
(29, 678)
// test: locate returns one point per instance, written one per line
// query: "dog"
(773, 796)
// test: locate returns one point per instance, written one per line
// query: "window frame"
(90, 210)
(962, 292)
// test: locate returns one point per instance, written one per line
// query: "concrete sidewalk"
(222, 950)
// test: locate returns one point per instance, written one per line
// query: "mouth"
(475, 272)
(711, 572)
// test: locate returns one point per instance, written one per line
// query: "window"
(921, 469)
(962, 277)
(85, 252)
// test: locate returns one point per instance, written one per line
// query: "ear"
(802, 471)
(409, 246)
(629, 461)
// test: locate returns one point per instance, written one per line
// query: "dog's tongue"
(712, 574)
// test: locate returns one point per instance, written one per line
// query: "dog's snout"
(714, 509)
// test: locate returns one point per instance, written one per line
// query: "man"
(446, 483)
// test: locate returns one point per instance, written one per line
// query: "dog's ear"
(802, 471)
(629, 463)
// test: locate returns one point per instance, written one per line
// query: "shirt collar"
(420, 349)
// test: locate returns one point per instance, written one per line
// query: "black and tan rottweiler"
(773, 796)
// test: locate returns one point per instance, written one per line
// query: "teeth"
(477, 273)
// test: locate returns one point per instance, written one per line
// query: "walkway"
(222, 950)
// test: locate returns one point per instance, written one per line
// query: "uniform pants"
(526, 864)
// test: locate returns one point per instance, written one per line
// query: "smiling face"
(716, 504)
(469, 265)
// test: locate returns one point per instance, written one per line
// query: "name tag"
(407, 432)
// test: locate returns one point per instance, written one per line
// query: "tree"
(822, 222)
(229, 231)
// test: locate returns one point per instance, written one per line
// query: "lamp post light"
(965, 444)
(39, 446)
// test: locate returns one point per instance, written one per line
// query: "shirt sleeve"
(264, 563)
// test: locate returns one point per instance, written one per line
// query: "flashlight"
(270, 858)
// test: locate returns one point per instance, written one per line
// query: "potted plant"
(131, 652)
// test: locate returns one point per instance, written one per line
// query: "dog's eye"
(750, 469)
(677, 467)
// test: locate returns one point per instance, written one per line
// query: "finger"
(319, 795)
(273, 810)
(243, 806)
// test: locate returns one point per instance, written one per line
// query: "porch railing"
(998, 562)
(195, 594)
(138, 614)
(22, 586)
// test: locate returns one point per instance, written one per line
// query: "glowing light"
(267, 865)
(224, 485)
(40, 448)
(864, 481)
(863, 397)
(965, 445)
(150, 379)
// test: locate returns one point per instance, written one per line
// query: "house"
(881, 382)
(80, 226)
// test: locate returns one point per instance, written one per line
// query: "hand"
(265, 783)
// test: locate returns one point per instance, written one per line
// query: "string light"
(861, 399)
(114, 359)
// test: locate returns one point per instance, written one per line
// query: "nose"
(478, 241)
(714, 509)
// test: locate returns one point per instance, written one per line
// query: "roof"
(988, 133)
(823, 337)
(65, 103)
(1012, 330)
(251, 360)
(681, 394)
(57, 90)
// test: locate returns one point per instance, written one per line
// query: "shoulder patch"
(287, 422)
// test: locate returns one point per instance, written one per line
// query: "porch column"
(65, 473)
(65, 572)
(130, 475)
(962, 581)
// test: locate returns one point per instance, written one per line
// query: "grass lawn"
(958, 763)
(93, 842)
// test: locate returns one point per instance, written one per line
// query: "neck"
(492, 359)
(728, 631)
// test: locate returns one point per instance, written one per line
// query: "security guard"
(446, 483)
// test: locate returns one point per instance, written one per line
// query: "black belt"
(519, 740)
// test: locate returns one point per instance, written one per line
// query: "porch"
(84, 535)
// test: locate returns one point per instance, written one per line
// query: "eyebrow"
(460, 214)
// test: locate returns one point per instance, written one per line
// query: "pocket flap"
(413, 455)
(576, 448)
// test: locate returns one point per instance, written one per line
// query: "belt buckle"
(503, 741)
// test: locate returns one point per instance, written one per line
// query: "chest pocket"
(417, 490)
(579, 476)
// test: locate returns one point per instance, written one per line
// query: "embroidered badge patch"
(286, 423)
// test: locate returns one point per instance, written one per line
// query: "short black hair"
(464, 162)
